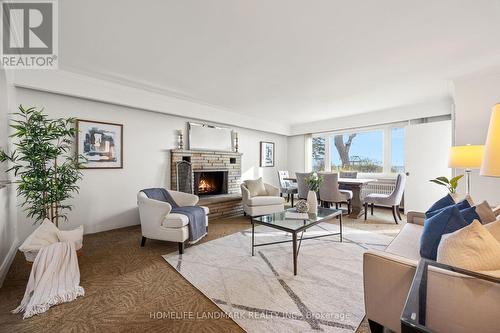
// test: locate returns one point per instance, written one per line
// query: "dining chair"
(348, 174)
(330, 193)
(302, 186)
(393, 200)
(286, 186)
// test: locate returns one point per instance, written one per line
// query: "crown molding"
(126, 93)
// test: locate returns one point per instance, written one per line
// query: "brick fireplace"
(216, 178)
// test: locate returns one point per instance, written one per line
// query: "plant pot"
(312, 202)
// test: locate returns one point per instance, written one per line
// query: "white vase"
(312, 202)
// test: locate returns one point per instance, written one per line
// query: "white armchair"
(158, 223)
(265, 202)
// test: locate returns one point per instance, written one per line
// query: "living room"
(186, 157)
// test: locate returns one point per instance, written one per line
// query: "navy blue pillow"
(446, 221)
(441, 203)
(470, 214)
(461, 205)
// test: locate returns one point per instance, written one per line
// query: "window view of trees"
(362, 152)
(318, 154)
(359, 151)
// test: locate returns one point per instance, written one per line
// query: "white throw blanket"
(54, 279)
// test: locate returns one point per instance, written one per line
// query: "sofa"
(158, 223)
(265, 203)
(455, 303)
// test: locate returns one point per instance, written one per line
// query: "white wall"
(107, 198)
(296, 154)
(475, 95)
(8, 239)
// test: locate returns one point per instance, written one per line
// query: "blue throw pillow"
(446, 221)
(461, 205)
(441, 203)
(470, 214)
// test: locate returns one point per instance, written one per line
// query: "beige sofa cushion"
(265, 201)
(497, 211)
(256, 187)
(485, 213)
(494, 229)
(407, 242)
(472, 247)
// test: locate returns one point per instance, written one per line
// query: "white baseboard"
(4, 268)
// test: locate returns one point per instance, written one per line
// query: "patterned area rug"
(261, 293)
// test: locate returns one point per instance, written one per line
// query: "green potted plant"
(313, 181)
(46, 172)
(450, 184)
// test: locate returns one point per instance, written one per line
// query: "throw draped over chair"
(286, 186)
(302, 186)
(157, 222)
(348, 174)
(393, 200)
(329, 191)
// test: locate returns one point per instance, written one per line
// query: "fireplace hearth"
(210, 182)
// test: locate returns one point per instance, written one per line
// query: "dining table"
(352, 184)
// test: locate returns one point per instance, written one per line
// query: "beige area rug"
(261, 293)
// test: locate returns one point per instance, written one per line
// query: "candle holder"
(180, 143)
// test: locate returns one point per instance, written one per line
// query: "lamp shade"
(491, 159)
(466, 157)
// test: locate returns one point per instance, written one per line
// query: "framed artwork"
(266, 154)
(100, 143)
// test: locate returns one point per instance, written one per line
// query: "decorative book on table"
(296, 216)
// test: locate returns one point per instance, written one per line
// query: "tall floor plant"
(46, 172)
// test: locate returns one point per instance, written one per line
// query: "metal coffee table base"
(296, 247)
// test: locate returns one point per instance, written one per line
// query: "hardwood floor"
(129, 288)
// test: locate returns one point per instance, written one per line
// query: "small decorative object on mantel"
(313, 182)
(180, 141)
(301, 206)
(266, 154)
(236, 146)
(99, 144)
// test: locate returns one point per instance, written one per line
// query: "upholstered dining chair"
(348, 174)
(393, 200)
(286, 186)
(302, 187)
(330, 193)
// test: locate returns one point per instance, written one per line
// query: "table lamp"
(466, 157)
(491, 160)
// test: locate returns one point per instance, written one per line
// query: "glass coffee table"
(296, 226)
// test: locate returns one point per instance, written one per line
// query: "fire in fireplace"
(210, 182)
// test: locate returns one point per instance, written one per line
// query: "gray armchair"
(329, 191)
(393, 200)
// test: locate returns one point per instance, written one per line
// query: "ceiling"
(283, 60)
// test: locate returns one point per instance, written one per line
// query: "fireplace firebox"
(210, 182)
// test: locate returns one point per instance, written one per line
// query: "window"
(362, 152)
(379, 150)
(397, 150)
(318, 154)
